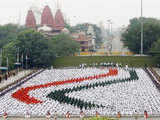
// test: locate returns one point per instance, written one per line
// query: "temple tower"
(30, 20)
(47, 17)
(59, 20)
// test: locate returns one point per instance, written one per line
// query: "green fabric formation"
(59, 95)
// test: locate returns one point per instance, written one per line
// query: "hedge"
(132, 61)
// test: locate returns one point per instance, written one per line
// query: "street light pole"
(109, 26)
(110, 35)
(22, 60)
(142, 27)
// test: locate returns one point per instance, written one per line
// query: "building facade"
(50, 25)
(84, 40)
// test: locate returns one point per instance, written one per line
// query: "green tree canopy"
(9, 51)
(8, 33)
(36, 47)
(63, 45)
(156, 46)
(132, 36)
(8, 36)
(69, 27)
(155, 50)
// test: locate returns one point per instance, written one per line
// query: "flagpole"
(22, 60)
(26, 61)
(7, 65)
(1, 56)
(142, 27)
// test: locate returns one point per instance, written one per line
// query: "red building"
(84, 41)
(50, 25)
(30, 20)
(47, 17)
(59, 20)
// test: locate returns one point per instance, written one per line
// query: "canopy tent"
(3, 68)
(17, 64)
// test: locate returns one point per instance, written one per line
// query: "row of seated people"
(68, 115)
(106, 64)
(124, 93)
(7, 75)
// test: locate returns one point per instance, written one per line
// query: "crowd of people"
(6, 75)
(129, 92)
(105, 64)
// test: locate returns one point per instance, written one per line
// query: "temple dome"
(45, 28)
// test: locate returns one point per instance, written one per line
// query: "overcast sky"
(79, 11)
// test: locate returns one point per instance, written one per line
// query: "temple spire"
(58, 5)
(30, 20)
(59, 20)
(47, 17)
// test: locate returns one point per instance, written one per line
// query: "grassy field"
(132, 61)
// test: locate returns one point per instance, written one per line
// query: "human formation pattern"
(107, 90)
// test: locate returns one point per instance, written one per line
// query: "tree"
(132, 36)
(63, 45)
(8, 33)
(69, 27)
(9, 51)
(155, 50)
(36, 47)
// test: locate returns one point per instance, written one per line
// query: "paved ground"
(157, 70)
(12, 79)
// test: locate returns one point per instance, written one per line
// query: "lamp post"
(1, 52)
(109, 26)
(110, 34)
(7, 64)
(22, 60)
(26, 61)
(142, 27)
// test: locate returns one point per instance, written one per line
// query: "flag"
(17, 57)
(26, 57)
(22, 60)
(7, 62)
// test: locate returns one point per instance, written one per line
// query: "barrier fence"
(104, 54)
(134, 116)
